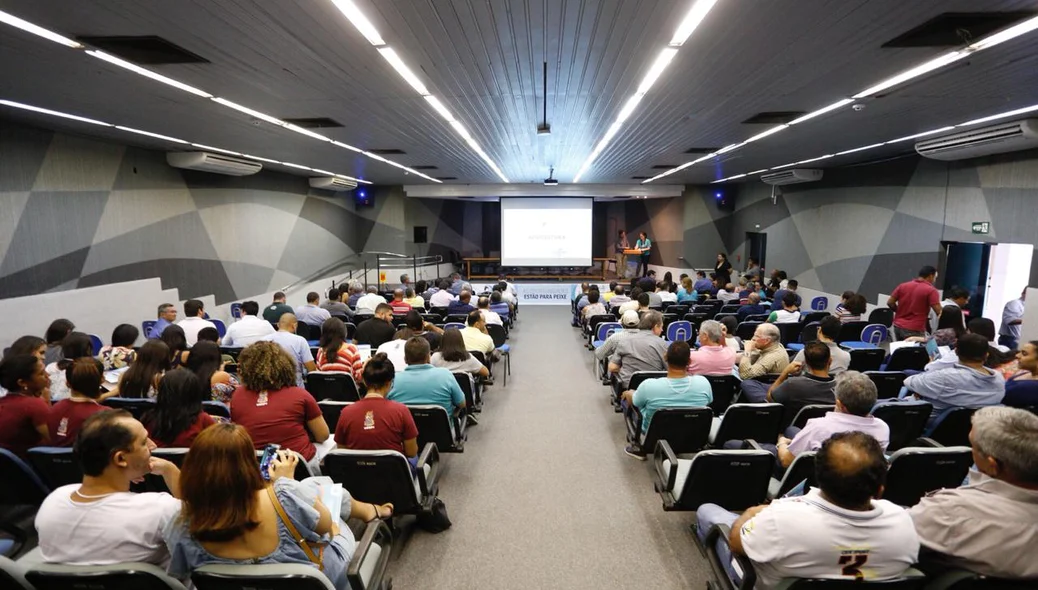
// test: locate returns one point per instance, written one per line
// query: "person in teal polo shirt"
(423, 384)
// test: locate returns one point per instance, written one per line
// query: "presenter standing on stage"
(645, 245)
(723, 269)
(621, 257)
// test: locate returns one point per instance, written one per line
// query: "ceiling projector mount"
(551, 181)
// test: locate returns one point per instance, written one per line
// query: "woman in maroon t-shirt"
(270, 406)
(375, 423)
(26, 407)
(67, 416)
(178, 417)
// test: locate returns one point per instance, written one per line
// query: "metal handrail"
(342, 263)
(353, 262)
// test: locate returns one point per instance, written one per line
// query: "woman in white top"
(75, 345)
(455, 358)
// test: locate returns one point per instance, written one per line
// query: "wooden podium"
(633, 252)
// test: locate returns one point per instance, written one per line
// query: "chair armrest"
(430, 455)
(376, 532)
(722, 532)
(661, 453)
(633, 420)
(924, 441)
(752, 445)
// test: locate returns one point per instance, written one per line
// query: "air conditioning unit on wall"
(792, 176)
(332, 183)
(982, 141)
(215, 163)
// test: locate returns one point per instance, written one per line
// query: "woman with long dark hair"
(33, 345)
(26, 407)
(723, 269)
(56, 332)
(178, 417)
(141, 380)
(207, 364)
(176, 340)
(120, 352)
(454, 357)
(950, 326)
(335, 354)
(75, 345)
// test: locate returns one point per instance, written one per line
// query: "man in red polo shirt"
(912, 302)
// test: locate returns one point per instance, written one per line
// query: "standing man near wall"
(912, 302)
(621, 258)
(1012, 318)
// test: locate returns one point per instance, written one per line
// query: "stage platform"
(603, 269)
(531, 291)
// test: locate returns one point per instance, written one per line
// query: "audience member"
(763, 355)
(141, 380)
(655, 299)
(67, 416)
(443, 297)
(25, 409)
(508, 294)
(193, 321)
(310, 313)
(356, 292)
(100, 521)
(1022, 388)
(375, 423)
(950, 326)
(789, 314)
(831, 532)
(687, 291)
(499, 306)
(270, 406)
(423, 384)
(713, 357)
(912, 302)
(794, 389)
(205, 362)
(629, 325)
(643, 350)
(400, 307)
(779, 298)
(295, 345)
(702, 284)
(1012, 319)
(753, 307)
(728, 328)
(454, 357)
(456, 284)
(33, 345)
(828, 332)
(394, 349)
(56, 332)
(176, 340)
(667, 292)
(75, 345)
(167, 315)
(335, 306)
(677, 390)
(619, 298)
(753, 269)
(419, 327)
(988, 525)
(491, 317)
(639, 303)
(212, 336)
(250, 328)
(231, 516)
(178, 416)
(120, 352)
(413, 298)
(461, 305)
(376, 330)
(273, 312)
(335, 353)
(967, 384)
(851, 308)
(728, 293)
(476, 337)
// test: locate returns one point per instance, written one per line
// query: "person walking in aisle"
(645, 245)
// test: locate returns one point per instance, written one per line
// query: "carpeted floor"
(543, 496)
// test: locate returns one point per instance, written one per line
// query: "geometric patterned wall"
(868, 228)
(77, 212)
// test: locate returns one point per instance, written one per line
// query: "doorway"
(756, 247)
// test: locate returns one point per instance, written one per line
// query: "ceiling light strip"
(39, 31)
(122, 63)
(27, 107)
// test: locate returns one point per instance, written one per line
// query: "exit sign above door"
(981, 227)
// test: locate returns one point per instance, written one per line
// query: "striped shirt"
(347, 360)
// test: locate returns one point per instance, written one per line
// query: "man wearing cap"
(629, 320)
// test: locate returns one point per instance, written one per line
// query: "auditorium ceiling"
(484, 60)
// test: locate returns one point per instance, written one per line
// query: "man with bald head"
(762, 355)
(400, 307)
(295, 345)
(839, 530)
(753, 307)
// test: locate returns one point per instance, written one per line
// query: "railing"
(361, 264)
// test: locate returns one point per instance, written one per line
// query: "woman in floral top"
(205, 362)
(120, 352)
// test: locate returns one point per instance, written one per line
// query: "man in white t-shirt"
(194, 320)
(370, 301)
(841, 531)
(100, 521)
(250, 328)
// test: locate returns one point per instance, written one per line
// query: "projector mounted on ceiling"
(332, 183)
(792, 176)
(215, 163)
(982, 141)
(551, 181)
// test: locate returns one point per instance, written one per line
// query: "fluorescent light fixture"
(923, 134)
(28, 27)
(629, 107)
(252, 157)
(809, 160)
(764, 134)
(347, 146)
(248, 111)
(439, 108)
(291, 165)
(402, 69)
(319, 171)
(150, 134)
(718, 180)
(729, 148)
(688, 25)
(757, 171)
(662, 61)
(361, 22)
(353, 179)
(860, 149)
(994, 117)
(306, 132)
(374, 156)
(27, 107)
(919, 70)
(122, 63)
(460, 130)
(215, 149)
(784, 166)
(736, 176)
(1001, 37)
(822, 111)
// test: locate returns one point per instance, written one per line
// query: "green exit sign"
(981, 227)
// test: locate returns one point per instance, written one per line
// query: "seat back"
(12, 575)
(756, 317)
(813, 316)
(734, 480)
(440, 311)
(678, 309)
(454, 326)
(867, 359)
(906, 420)
(638, 376)
(280, 576)
(459, 318)
(720, 316)
(174, 455)
(916, 471)
(851, 331)
(904, 583)
(680, 331)
(724, 388)
(434, 426)
(820, 303)
(331, 410)
(468, 386)
(120, 576)
(952, 427)
(687, 430)
(146, 327)
(221, 328)
(374, 476)
(332, 385)
(908, 358)
(606, 329)
(22, 486)
(135, 406)
(882, 315)
(874, 334)
(595, 321)
(746, 329)
(809, 333)
(730, 308)
(761, 422)
(790, 333)
(95, 343)
(498, 334)
(801, 469)
(216, 409)
(696, 319)
(888, 383)
(57, 466)
(809, 412)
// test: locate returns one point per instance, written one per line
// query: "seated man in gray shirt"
(828, 332)
(335, 306)
(643, 350)
(967, 384)
(795, 390)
